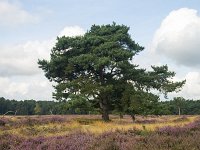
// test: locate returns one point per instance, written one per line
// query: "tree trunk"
(121, 116)
(105, 115)
(104, 109)
(179, 111)
(133, 117)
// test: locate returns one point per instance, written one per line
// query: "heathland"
(89, 132)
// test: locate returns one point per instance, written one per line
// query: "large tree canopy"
(98, 65)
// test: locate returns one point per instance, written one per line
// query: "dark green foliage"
(188, 107)
(98, 66)
(77, 105)
(25, 107)
(92, 64)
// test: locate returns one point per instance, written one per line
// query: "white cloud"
(178, 37)
(22, 59)
(72, 31)
(20, 77)
(177, 43)
(33, 87)
(13, 14)
(192, 87)
(11, 88)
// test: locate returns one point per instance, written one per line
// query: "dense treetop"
(98, 66)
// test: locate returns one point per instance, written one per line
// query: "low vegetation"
(89, 132)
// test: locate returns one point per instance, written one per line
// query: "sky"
(169, 31)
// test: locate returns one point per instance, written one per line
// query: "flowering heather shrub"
(168, 142)
(56, 119)
(76, 141)
(177, 131)
(178, 138)
(19, 121)
(146, 121)
(85, 121)
(23, 121)
(29, 131)
(8, 141)
(2, 123)
(195, 124)
(118, 140)
(30, 144)
(183, 118)
(30, 121)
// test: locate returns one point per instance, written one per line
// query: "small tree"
(37, 109)
(179, 102)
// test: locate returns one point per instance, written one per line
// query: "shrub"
(76, 141)
(2, 123)
(146, 121)
(181, 119)
(8, 141)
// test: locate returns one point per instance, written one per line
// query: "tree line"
(80, 106)
(33, 107)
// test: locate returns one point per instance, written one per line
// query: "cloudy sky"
(169, 31)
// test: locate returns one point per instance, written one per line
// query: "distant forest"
(33, 107)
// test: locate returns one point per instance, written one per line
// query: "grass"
(89, 132)
(101, 127)
(87, 124)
